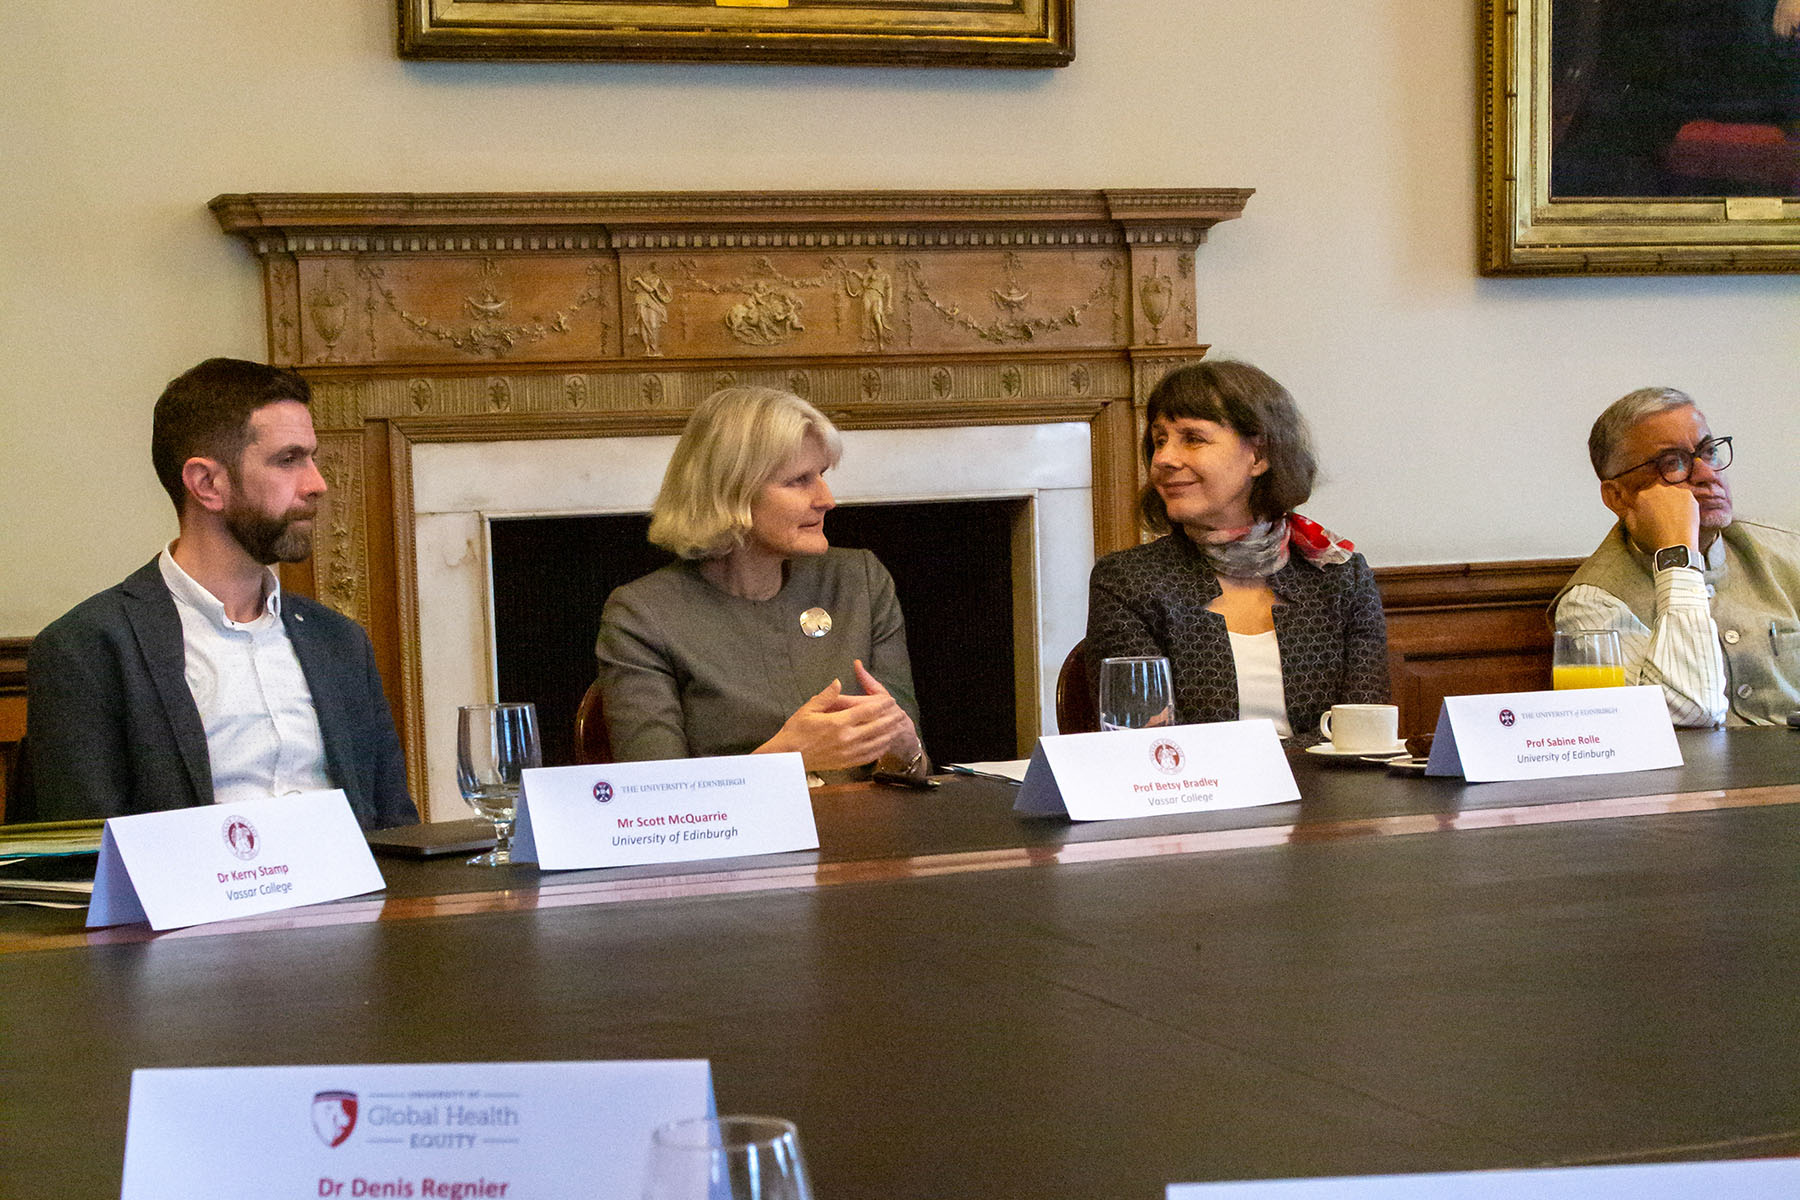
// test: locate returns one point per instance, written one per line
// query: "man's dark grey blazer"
(112, 729)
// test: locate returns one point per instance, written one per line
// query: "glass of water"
(726, 1158)
(1135, 693)
(494, 744)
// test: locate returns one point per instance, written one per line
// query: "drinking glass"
(1135, 693)
(726, 1158)
(494, 743)
(1587, 658)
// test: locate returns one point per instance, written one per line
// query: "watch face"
(1673, 556)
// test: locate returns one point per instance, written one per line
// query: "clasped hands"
(834, 731)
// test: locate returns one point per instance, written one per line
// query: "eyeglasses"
(1676, 465)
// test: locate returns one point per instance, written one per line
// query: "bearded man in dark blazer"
(198, 680)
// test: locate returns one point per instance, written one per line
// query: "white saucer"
(1328, 750)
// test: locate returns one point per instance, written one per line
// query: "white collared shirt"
(262, 731)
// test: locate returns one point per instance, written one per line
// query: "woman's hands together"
(833, 731)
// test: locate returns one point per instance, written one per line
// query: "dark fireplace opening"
(953, 564)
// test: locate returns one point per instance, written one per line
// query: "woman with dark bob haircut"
(1260, 612)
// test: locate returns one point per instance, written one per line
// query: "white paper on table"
(1552, 735)
(1012, 769)
(677, 810)
(514, 1130)
(188, 866)
(1754, 1179)
(1157, 772)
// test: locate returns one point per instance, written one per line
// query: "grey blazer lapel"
(330, 702)
(157, 627)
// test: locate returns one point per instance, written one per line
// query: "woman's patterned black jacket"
(1152, 599)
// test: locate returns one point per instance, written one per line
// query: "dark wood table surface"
(1394, 974)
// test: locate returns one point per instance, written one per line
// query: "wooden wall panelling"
(1467, 628)
(13, 652)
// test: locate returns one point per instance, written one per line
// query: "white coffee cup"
(1362, 728)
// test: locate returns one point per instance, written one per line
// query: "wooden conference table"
(1395, 974)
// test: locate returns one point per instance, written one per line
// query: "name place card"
(1549, 735)
(463, 1131)
(676, 810)
(1751, 1179)
(1156, 772)
(189, 866)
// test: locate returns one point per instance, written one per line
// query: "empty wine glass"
(494, 744)
(1135, 693)
(726, 1158)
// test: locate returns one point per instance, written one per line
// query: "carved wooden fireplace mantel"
(422, 318)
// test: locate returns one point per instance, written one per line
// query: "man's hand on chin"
(1664, 515)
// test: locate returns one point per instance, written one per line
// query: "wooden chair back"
(592, 745)
(1075, 712)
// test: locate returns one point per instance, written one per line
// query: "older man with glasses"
(1705, 606)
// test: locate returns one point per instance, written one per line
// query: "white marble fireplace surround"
(458, 487)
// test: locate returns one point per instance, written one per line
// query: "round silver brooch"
(815, 622)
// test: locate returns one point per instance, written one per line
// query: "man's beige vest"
(1754, 596)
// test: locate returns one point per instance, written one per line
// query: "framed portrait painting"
(992, 33)
(1640, 136)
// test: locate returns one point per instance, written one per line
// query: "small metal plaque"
(1753, 208)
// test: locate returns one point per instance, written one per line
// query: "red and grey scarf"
(1257, 551)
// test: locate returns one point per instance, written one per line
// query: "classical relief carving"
(768, 316)
(488, 330)
(1156, 292)
(770, 312)
(336, 560)
(283, 322)
(1011, 300)
(1147, 372)
(1184, 267)
(651, 296)
(347, 405)
(1015, 323)
(875, 288)
(329, 304)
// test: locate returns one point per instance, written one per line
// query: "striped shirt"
(1679, 652)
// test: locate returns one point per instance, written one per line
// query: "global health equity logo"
(334, 1116)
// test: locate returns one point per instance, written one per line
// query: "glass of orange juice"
(1586, 658)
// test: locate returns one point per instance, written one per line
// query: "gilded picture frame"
(1614, 141)
(986, 33)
